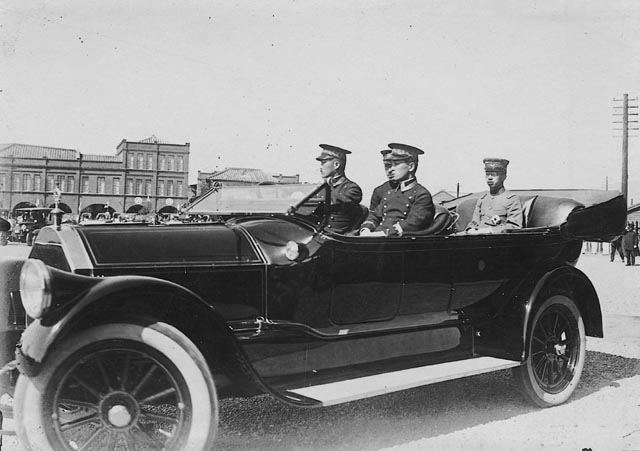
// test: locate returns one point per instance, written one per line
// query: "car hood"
(158, 245)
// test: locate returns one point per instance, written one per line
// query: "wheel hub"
(119, 410)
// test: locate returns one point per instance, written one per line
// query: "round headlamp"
(35, 288)
(292, 250)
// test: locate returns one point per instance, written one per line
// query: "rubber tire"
(524, 374)
(162, 338)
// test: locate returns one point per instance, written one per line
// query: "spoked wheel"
(120, 387)
(556, 351)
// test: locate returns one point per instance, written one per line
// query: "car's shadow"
(264, 423)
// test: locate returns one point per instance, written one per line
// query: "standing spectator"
(616, 246)
(630, 244)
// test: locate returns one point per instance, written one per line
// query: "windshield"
(228, 200)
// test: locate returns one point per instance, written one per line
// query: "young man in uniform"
(406, 206)
(499, 209)
(345, 194)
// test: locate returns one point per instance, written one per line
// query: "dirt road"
(478, 413)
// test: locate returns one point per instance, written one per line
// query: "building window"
(162, 160)
(180, 164)
(132, 161)
(170, 163)
(147, 187)
(61, 181)
(140, 161)
(116, 185)
(26, 182)
(101, 185)
(161, 188)
(85, 184)
(3, 182)
(71, 184)
(150, 161)
(170, 188)
(129, 186)
(50, 181)
(16, 182)
(37, 182)
(138, 187)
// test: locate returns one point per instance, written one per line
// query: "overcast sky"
(260, 84)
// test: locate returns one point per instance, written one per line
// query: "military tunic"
(345, 204)
(497, 212)
(408, 205)
(379, 192)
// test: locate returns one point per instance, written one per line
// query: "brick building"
(145, 175)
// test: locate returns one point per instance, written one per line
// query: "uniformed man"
(406, 206)
(499, 209)
(345, 194)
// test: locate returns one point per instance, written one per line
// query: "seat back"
(442, 221)
(538, 211)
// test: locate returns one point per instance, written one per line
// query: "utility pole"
(627, 110)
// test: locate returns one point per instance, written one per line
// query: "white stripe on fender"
(365, 387)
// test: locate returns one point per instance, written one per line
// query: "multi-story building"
(146, 175)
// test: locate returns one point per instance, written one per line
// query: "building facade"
(143, 176)
(238, 177)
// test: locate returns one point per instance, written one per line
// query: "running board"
(379, 384)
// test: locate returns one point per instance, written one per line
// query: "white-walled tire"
(119, 386)
(556, 344)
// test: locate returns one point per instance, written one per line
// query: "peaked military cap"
(329, 151)
(495, 164)
(402, 152)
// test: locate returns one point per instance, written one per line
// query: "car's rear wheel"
(119, 386)
(556, 346)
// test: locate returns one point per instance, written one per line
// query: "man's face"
(398, 170)
(329, 167)
(495, 180)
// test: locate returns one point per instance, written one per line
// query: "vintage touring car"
(138, 330)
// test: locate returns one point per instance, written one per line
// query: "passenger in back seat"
(406, 206)
(499, 209)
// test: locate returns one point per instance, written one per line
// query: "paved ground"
(478, 413)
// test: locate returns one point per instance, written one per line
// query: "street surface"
(477, 413)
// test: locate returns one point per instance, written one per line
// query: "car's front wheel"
(556, 346)
(119, 386)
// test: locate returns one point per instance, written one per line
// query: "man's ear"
(412, 166)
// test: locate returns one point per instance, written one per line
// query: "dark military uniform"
(408, 205)
(498, 212)
(345, 204)
(379, 192)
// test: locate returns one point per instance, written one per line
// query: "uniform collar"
(407, 184)
(336, 180)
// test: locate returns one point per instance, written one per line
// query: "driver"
(406, 206)
(345, 194)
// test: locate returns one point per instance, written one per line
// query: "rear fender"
(145, 300)
(573, 283)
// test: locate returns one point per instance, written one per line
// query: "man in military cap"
(499, 209)
(345, 194)
(406, 206)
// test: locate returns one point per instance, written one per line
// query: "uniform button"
(406, 205)
(384, 214)
(329, 226)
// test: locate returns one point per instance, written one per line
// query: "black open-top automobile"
(137, 331)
